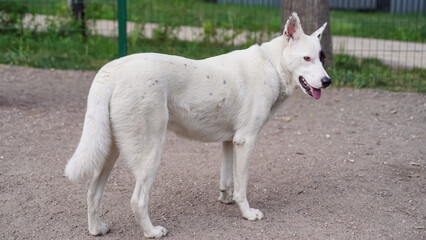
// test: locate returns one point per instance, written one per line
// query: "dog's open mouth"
(313, 92)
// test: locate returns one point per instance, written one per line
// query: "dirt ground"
(349, 166)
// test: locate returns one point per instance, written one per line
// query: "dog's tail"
(96, 139)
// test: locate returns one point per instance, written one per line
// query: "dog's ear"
(293, 29)
(318, 33)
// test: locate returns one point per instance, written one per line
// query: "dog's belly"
(207, 125)
(206, 134)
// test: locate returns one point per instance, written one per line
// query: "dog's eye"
(308, 59)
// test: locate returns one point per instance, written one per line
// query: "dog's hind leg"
(145, 171)
(94, 194)
(140, 137)
(226, 167)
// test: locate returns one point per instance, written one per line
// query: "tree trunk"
(313, 14)
(77, 7)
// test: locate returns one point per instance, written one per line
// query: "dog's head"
(304, 58)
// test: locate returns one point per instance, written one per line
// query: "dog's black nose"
(326, 81)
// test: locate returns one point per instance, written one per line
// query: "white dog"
(135, 99)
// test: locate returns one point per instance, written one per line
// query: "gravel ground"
(349, 166)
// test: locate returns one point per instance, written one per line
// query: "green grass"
(63, 47)
(68, 50)
(50, 51)
(405, 27)
(349, 71)
(72, 51)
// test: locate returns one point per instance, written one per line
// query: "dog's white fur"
(135, 99)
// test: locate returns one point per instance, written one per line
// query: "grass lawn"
(71, 51)
(65, 48)
(349, 71)
(405, 27)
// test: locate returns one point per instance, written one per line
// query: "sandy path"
(349, 166)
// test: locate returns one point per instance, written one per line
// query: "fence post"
(122, 28)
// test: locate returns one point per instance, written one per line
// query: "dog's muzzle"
(311, 91)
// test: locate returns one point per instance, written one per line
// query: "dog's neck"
(273, 51)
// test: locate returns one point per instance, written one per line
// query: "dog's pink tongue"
(316, 93)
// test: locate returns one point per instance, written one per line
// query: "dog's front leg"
(243, 147)
(226, 167)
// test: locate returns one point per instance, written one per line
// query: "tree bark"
(313, 14)
(77, 7)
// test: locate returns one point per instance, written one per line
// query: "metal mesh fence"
(381, 45)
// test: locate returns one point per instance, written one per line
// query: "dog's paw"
(253, 214)
(99, 229)
(225, 198)
(156, 232)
